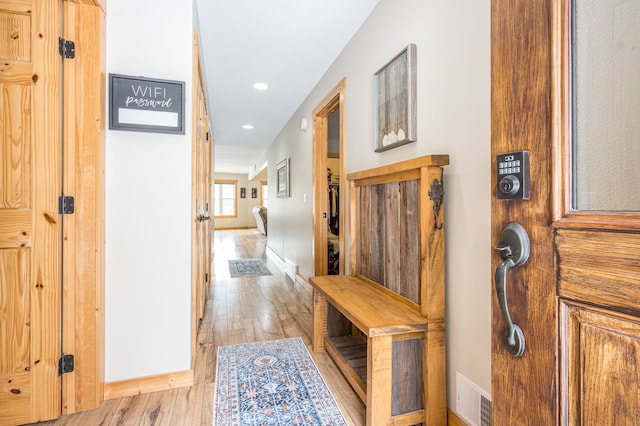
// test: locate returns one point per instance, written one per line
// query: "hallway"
(240, 310)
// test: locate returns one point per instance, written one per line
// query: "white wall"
(453, 103)
(148, 201)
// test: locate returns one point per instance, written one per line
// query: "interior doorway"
(328, 175)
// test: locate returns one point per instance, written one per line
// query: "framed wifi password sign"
(146, 105)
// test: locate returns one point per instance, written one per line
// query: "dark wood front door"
(577, 297)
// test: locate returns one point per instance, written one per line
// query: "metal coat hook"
(436, 194)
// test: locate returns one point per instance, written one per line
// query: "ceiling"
(287, 44)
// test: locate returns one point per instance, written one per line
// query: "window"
(604, 74)
(224, 198)
(264, 193)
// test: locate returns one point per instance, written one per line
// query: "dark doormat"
(247, 268)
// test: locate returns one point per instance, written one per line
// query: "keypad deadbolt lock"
(513, 175)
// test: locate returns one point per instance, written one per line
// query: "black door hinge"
(66, 204)
(206, 277)
(207, 136)
(66, 364)
(67, 48)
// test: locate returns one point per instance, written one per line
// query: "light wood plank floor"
(239, 310)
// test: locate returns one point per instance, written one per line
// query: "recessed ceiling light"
(260, 86)
(247, 126)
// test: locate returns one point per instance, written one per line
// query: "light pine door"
(202, 189)
(204, 173)
(565, 88)
(29, 221)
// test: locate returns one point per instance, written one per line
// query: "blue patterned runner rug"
(272, 383)
(247, 268)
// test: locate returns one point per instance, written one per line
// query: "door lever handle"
(514, 247)
(202, 218)
(504, 251)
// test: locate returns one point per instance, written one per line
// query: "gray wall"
(453, 104)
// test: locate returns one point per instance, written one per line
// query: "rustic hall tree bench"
(383, 324)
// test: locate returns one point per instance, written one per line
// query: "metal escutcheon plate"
(514, 236)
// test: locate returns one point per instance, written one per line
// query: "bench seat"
(384, 358)
(368, 306)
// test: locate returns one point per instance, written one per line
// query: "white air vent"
(485, 411)
(290, 268)
(473, 404)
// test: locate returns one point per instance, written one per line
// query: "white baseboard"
(291, 268)
(282, 265)
(275, 258)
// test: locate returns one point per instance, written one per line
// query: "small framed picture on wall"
(282, 176)
(243, 192)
